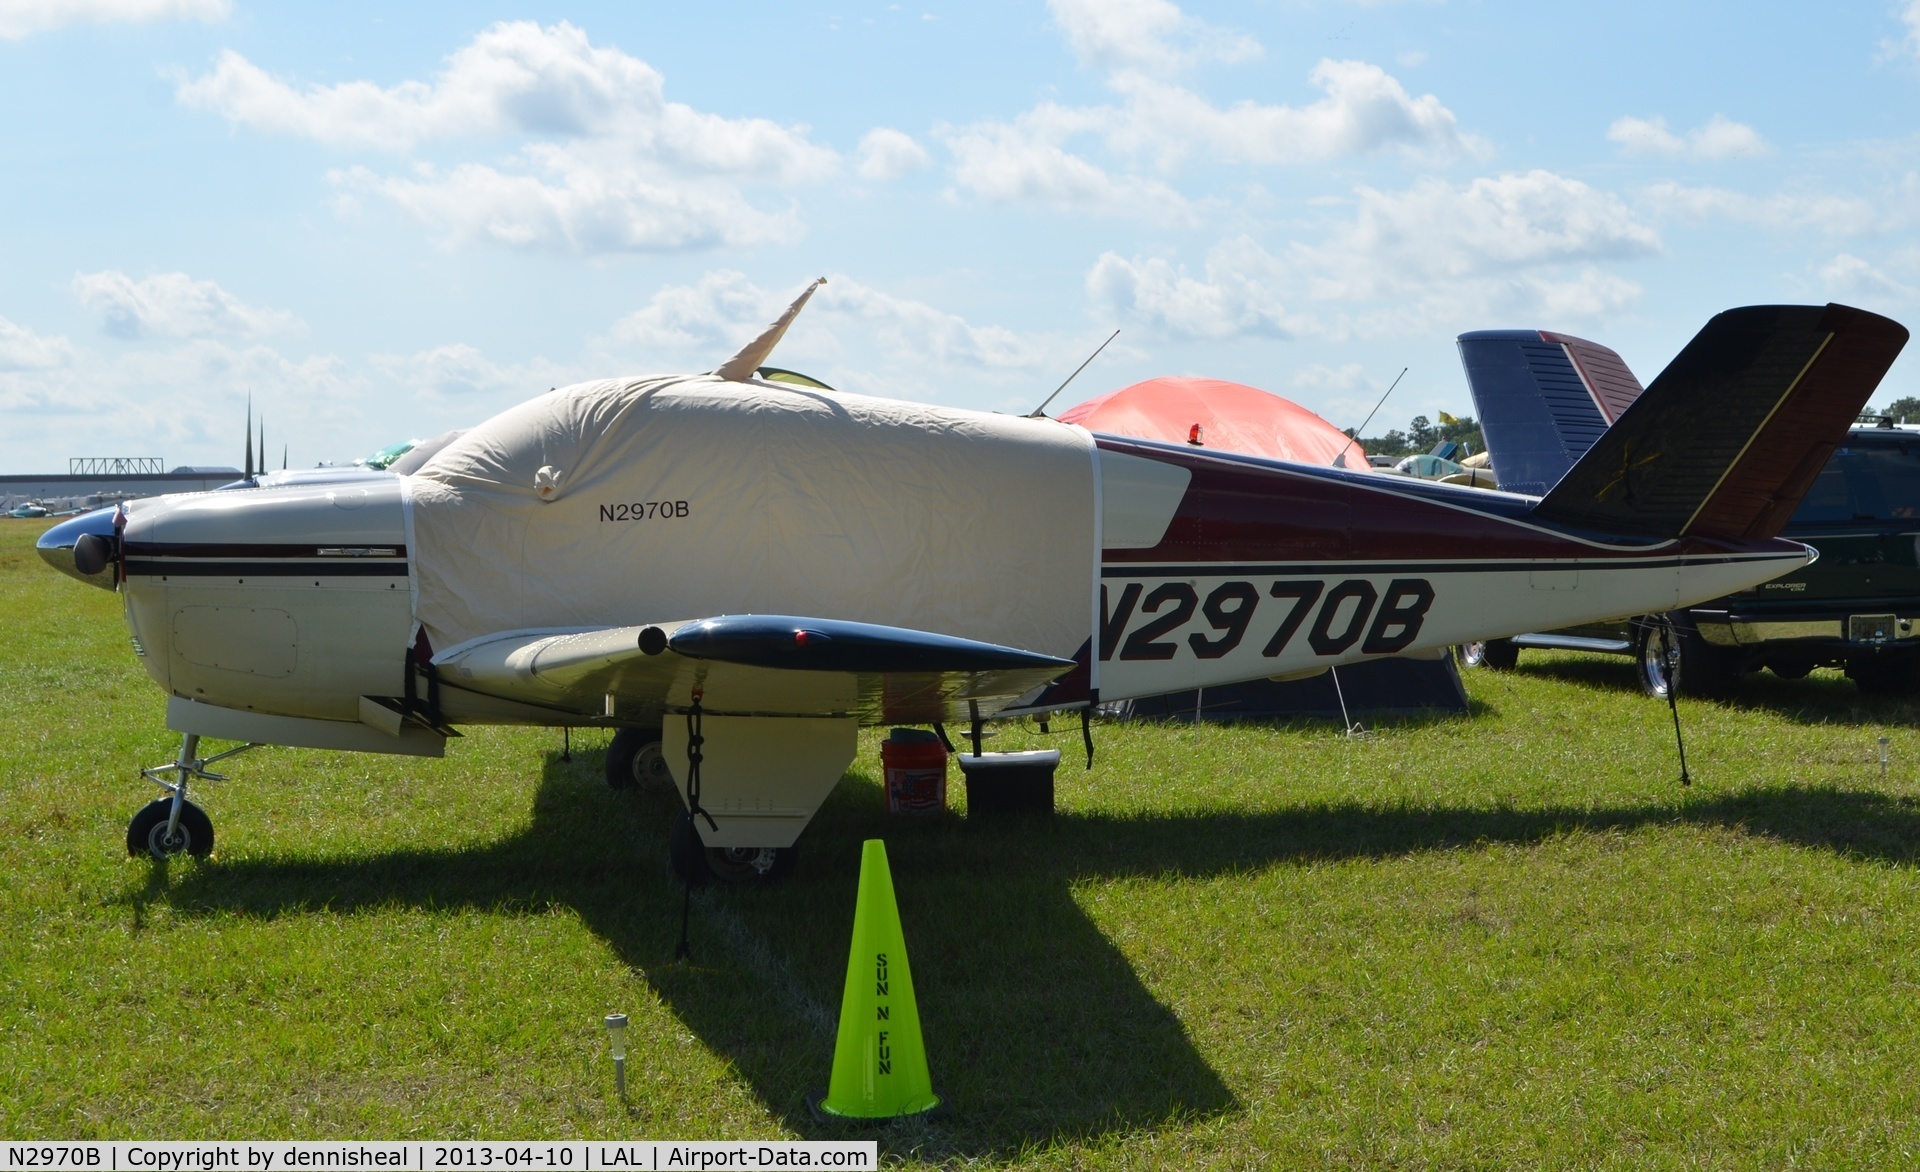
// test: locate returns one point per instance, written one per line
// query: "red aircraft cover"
(1231, 418)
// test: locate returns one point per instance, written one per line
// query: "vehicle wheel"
(634, 758)
(696, 864)
(1700, 670)
(1790, 671)
(1884, 677)
(1498, 654)
(147, 833)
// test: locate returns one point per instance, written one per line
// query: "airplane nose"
(83, 547)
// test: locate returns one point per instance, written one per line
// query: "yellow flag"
(1446, 418)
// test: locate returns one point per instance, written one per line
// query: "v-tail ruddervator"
(737, 573)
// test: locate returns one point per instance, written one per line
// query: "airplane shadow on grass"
(1824, 698)
(1038, 1027)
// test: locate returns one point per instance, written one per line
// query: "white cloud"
(517, 79)
(853, 336)
(890, 154)
(1365, 111)
(1433, 257)
(174, 305)
(1719, 138)
(1909, 42)
(23, 18)
(1436, 231)
(1151, 35)
(22, 349)
(460, 373)
(579, 204)
(1837, 214)
(1319, 377)
(612, 165)
(1847, 275)
(1240, 293)
(1027, 160)
(1034, 157)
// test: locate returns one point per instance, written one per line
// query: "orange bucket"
(914, 763)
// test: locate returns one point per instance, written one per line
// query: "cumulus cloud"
(573, 204)
(607, 163)
(1435, 255)
(1365, 111)
(890, 154)
(174, 305)
(23, 18)
(1027, 160)
(458, 372)
(1835, 214)
(1719, 138)
(22, 349)
(1151, 35)
(1436, 230)
(516, 78)
(724, 309)
(1908, 44)
(1240, 293)
(1038, 155)
(1847, 275)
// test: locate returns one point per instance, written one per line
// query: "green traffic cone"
(879, 1060)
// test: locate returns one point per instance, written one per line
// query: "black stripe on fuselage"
(1215, 570)
(248, 551)
(310, 568)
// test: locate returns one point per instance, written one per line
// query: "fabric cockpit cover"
(654, 500)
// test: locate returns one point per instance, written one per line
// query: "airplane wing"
(751, 665)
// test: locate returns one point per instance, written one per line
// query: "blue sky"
(385, 223)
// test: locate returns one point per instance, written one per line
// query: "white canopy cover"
(651, 500)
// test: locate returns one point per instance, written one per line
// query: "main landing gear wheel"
(696, 864)
(147, 833)
(634, 758)
(1499, 654)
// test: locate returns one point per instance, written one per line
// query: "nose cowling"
(84, 547)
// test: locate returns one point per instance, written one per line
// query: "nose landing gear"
(173, 825)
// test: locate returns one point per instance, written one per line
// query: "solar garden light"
(617, 1035)
(1884, 742)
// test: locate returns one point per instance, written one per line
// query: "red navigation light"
(799, 638)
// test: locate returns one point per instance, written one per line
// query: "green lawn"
(1507, 939)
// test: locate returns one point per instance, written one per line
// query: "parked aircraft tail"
(1725, 441)
(1543, 399)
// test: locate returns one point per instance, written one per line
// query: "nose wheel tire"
(696, 864)
(635, 759)
(147, 833)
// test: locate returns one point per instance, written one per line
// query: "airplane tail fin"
(1732, 433)
(1543, 399)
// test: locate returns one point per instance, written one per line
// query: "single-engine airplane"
(737, 573)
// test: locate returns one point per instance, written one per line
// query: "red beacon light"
(1194, 436)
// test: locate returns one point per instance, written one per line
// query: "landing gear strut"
(173, 825)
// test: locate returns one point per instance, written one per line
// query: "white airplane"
(737, 573)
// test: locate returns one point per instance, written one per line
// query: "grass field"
(1505, 939)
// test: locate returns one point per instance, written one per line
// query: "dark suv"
(1857, 607)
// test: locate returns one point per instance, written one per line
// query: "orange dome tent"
(1229, 417)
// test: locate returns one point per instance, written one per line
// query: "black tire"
(696, 864)
(1498, 654)
(1698, 669)
(1877, 676)
(147, 833)
(1791, 671)
(635, 760)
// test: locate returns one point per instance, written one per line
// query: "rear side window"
(1865, 482)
